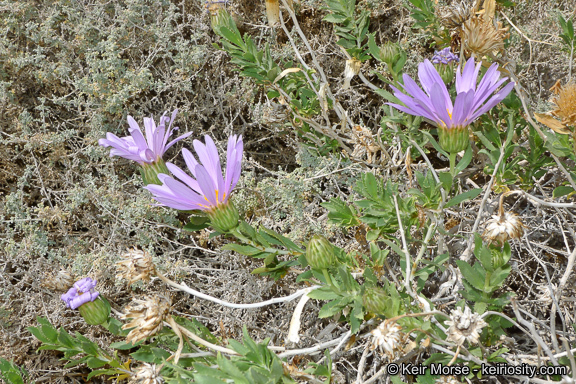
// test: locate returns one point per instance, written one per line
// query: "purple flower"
(81, 293)
(143, 150)
(434, 102)
(444, 56)
(207, 189)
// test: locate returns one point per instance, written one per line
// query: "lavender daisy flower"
(83, 296)
(208, 190)
(434, 102)
(147, 152)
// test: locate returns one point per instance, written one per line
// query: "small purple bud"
(81, 293)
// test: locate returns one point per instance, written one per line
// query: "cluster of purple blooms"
(81, 293)
(206, 190)
(444, 56)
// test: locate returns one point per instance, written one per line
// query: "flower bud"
(374, 300)
(84, 297)
(224, 217)
(320, 253)
(443, 61)
(453, 140)
(150, 171)
(217, 11)
(95, 312)
(388, 52)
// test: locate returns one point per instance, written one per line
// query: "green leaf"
(468, 195)
(340, 213)
(466, 159)
(482, 253)
(480, 307)
(335, 18)
(332, 308)
(324, 293)
(562, 190)
(446, 180)
(475, 279)
(499, 275)
(94, 362)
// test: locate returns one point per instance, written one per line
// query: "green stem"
(452, 158)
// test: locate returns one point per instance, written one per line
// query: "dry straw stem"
(277, 300)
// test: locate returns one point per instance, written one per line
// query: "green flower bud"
(453, 140)
(95, 312)
(388, 52)
(446, 72)
(320, 253)
(374, 300)
(150, 171)
(224, 217)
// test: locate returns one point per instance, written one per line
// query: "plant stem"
(452, 158)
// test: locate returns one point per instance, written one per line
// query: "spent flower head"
(464, 326)
(434, 102)
(480, 36)
(135, 265)
(502, 227)
(62, 281)
(146, 374)
(387, 338)
(147, 317)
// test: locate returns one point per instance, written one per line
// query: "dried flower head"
(565, 101)
(464, 326)
(352, 69)
(387, 338)
(502, 227)
(135, 265)
(147, 374)
(480, 36)
(454, 16)
(147, 317)
(62, 281)
(273, 12)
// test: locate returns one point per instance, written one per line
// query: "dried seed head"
(464, 326)
(62, 281)
(500, 228)
(387, 338)
(135, 265)
(565, 101)
(479, 36)
(147, 317)
(454, 16)
(352, 69)
(273, 12)
(146, 374)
